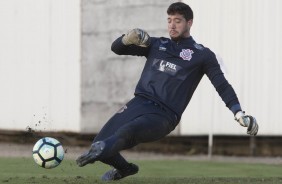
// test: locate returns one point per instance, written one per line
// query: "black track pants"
(139, 121)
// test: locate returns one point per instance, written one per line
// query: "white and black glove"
(247, 121)
(137, 37)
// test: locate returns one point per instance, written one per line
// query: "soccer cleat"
(92, 155)
(116, 174)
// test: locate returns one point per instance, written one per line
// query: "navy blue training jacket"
(173, 71)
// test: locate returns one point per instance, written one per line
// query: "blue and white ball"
(48, 152)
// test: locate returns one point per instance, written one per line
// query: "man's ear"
(190, 22)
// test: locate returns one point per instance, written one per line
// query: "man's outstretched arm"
(228, 95)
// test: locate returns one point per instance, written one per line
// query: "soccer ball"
(48, 152)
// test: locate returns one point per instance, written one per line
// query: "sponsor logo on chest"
(166, 67)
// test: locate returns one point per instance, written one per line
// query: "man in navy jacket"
(172, 72)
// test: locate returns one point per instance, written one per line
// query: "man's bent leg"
(146, 128)
(136, 132)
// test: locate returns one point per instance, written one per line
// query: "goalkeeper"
(173, 69)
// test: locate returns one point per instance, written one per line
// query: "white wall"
(247, 35)
(40, 64)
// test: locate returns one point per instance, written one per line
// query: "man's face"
(178, 26)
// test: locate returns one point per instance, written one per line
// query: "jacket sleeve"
(222, 86)
(120, 49)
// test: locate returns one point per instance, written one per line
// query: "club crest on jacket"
(186, 54)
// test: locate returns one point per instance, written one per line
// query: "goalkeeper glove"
(137, 37)
(247, 121)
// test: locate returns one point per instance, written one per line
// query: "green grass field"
(24, 170)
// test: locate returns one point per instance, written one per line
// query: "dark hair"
(182, 9)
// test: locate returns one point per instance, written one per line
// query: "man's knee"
(127, 134)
